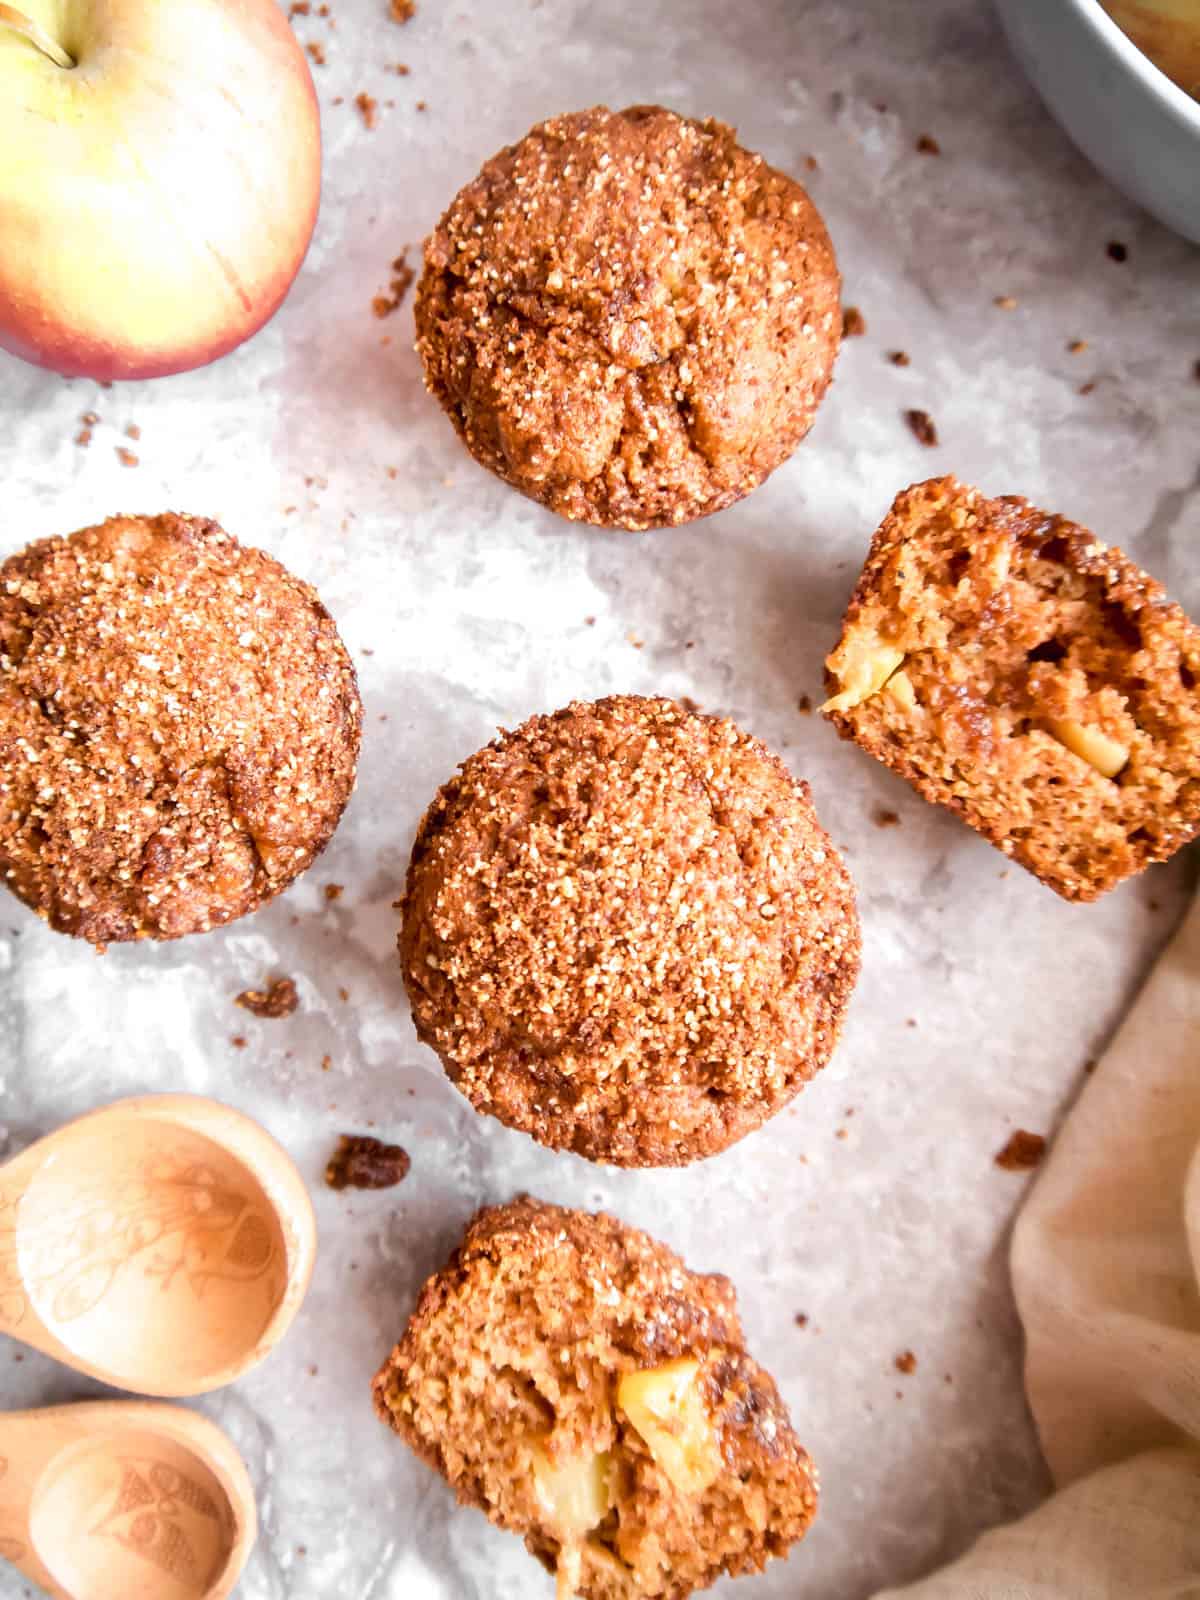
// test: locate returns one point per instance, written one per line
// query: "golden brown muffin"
(570, 1377)
(626, 933)
(629, 317)
(1034, 680)
(179, 727)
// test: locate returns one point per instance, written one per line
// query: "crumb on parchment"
(279, 999)
(401, 282)
(1022, 1153)
(360, 1162)
(923, 427)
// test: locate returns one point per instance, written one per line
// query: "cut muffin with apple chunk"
(570, 1377)
(1034, 680)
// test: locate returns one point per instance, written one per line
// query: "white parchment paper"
(872, 1207)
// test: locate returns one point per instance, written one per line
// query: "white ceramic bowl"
(1138, 127)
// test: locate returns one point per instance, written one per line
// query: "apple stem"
(36, 35)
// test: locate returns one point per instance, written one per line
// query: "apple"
(160, 172)
(1168, 31)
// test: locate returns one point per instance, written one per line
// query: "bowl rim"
(1109, 32)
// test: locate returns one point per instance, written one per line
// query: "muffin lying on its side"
(626, 933)
(1034, 680)
(179, 728)
(570, 1377)
(629, 317)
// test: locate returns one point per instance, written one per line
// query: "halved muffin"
(1017, 670)
(570, 1377)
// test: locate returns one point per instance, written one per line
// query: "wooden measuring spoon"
(117, 1498)
(162, 1244)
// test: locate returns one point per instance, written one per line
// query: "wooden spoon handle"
(25, 1451)
(14, 1303)
(19, 1317)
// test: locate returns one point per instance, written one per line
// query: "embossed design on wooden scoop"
(117, 1498)
(162, 1244)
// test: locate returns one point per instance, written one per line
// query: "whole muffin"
(179, 728)
(571, 1377)
(629, 317)
(626, 933)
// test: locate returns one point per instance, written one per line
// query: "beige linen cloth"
(1106, 1268)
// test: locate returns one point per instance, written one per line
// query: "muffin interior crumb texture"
(629, 317)
(179, 726)
(626, 933)
(572, 1379)
(1031, 678)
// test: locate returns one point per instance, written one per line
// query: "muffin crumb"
(402, 278)
(906, 1362)
(1022, 1152)
(854, 324)
(360, 1162)
(368, 108)
(923, 428)
(927, 145)
(279, 999)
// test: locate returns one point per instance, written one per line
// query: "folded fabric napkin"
(1106, 1268)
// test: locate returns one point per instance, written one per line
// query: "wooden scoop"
(121, 1498)
(162, 1244)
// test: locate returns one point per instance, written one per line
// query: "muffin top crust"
(629, 317)
(626, 933)
(179, 728)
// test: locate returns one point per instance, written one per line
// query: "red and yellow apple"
(160, 172)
